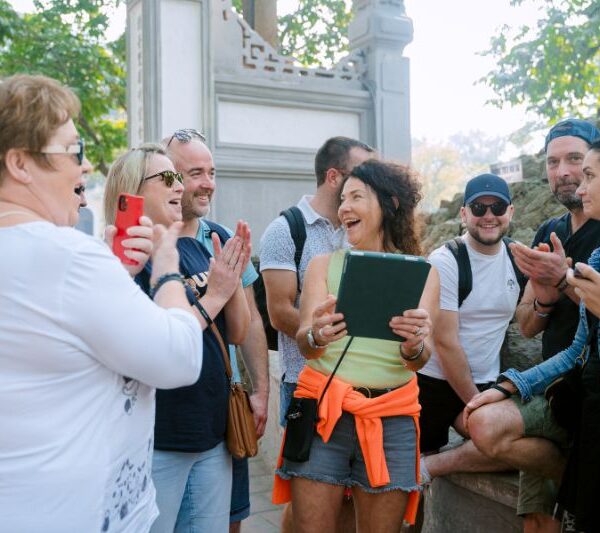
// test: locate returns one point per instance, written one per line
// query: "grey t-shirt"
(277, 253)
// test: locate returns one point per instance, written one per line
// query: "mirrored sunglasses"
(186, 135)
(168, 176)
(479, 209)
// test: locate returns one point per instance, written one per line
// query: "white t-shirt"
(485, 312)
(76, 436)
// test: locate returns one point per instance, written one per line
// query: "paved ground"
(265, 516)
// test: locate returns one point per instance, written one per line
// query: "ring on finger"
(418, 332)
(321, 334)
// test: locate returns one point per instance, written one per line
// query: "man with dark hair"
(335, 154)
(526, 435)
(324, 234)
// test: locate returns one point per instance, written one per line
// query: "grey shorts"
(340, 461)
(537, 494)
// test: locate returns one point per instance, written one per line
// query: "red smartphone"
(129, 210)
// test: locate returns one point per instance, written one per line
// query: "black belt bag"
(302, 416)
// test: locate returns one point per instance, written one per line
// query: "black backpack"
(295, 221)
(459, 250)
(219, 230)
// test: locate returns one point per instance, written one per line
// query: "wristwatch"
(310, 338)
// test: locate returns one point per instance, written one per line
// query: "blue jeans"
(193, 490)
(240, 491)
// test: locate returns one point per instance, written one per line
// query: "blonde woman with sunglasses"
(190, 421)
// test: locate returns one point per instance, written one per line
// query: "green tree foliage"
(554, 67)
(64, 39)
(315, 33)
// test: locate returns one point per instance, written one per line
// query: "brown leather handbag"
(241, 431)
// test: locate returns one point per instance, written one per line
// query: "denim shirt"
(536, 379)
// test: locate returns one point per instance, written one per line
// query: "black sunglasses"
(168, 176)
(497, 208)
(186, 135)
(75, 149)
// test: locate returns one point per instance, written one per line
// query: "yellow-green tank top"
(371, 363)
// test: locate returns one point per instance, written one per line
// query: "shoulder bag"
(302, 416)
(240, 435)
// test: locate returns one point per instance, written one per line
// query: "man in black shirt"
(526, 436)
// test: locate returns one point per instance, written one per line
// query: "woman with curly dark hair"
(367, 432)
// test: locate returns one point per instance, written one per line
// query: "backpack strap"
(219, 230)
(521, 278)
(295, 221)
(465, 276)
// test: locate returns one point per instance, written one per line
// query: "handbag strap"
(224, 351)
(339, 361)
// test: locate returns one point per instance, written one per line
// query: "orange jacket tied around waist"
(340, 396)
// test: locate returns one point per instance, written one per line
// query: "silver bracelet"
(413, 357)
(310, 338)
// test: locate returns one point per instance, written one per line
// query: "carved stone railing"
(257, 54)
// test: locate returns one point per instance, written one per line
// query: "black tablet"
(377, 286)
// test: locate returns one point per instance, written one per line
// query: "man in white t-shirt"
(468, 334)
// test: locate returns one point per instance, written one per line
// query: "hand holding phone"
(130, 208)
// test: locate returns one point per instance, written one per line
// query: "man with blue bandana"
(525, 435)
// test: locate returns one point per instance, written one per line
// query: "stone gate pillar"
(381, 29)
(169, 74)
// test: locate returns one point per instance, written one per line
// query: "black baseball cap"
(487, 185)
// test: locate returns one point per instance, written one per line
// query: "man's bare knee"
(494, 427)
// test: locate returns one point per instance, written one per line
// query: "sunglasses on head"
(75, 149)
(186, 135)
(168, 176)
(479, 209)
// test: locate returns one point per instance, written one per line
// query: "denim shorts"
(340, 461)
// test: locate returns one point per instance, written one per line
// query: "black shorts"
(440, 406)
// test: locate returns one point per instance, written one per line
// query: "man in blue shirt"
(191, 157)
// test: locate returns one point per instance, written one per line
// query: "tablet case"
(377, 286)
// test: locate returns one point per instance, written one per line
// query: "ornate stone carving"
(257, 54)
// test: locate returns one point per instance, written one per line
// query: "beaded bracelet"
(413, 357)
(165, 278)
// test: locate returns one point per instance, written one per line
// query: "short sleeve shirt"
(277, 251)
(562, 323)
(249, 276)
(484, 314)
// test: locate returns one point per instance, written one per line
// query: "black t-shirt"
(562, 323)
(193, 418)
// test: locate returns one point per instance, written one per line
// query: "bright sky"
(448, 34)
